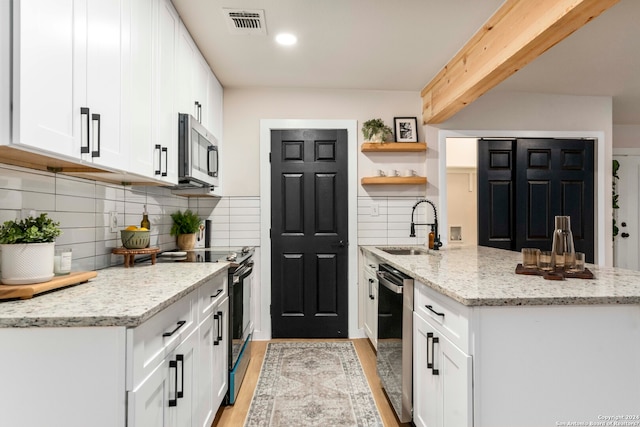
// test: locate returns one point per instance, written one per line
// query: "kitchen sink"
(405, 251)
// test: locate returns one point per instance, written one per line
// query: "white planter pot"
(27, 263)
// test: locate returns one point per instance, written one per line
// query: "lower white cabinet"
(168, 396)
(369, 296)
(442, 389)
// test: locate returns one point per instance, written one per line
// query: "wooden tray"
(130, 254)
(28, 291)
(555, 275)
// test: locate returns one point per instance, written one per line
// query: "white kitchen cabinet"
(369, 296)
(168, 396)
(442, 389)
(150, 119)
(214, 349)
(67, 63)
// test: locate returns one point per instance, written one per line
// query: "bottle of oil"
(432, 237)
(145, 219)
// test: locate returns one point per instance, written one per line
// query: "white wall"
(244, 108)
(517, 114)
(626, 136)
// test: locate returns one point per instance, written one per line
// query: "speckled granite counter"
(118, 296)
(479, 276)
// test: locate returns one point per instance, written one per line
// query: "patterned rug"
(312, 384)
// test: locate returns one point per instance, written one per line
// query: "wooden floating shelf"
(394, 146)
(394, 180)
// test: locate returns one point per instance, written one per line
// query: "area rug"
(312, 384)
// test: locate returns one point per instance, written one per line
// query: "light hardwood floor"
(233, 416)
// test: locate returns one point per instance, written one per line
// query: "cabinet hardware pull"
(212, 160)
(217, 319)
(173, 364)
(84, 132)
(430, 307)
(198, 112)
(370, 289)
(159, 148)
(218, 292)
(180, 325)
(219, 326)
(164, 153)
(434, 341)
(95, 118)
(429, 361)
(180, 358)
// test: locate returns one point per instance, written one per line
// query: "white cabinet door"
(139, 88)
(166, 128)
(200, 80)
(186, 356)
(207, 334)
(43, 58)
(185, 64)
(371, 309)
(149, 403)
(215, 97)
(427, 399)
(442, 384)
(221, 355)
(102, 49)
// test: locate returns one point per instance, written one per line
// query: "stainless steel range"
(240, 321)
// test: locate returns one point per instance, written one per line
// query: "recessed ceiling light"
(286, 39)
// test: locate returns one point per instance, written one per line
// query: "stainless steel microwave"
(198, 160)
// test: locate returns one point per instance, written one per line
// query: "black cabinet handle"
(198, 110)
(180, 358)
(216, 341)
(180, 325)
(434, 341)
(370, 289)
(430, 307)
(219, 291)
(164, 153)
(429, 360)
(96, 137)
(159, 148)
(173, 364)
(84, 111)
(219, 326)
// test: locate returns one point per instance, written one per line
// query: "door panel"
(523, 184)
(309, 292)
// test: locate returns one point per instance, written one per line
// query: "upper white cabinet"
(67, 59)
(44, 93)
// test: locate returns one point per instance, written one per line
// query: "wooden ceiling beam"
(515, 35)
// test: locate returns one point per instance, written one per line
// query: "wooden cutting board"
(28, 291)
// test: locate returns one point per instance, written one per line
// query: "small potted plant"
(185, 226)
(375, 130)
(27, 249)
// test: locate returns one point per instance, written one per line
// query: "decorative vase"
(562, 241)
(377, 137)
(27, 263)
(186, 241)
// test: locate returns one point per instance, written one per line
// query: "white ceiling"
(402, 44)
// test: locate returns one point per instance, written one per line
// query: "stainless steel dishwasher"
(394, 357)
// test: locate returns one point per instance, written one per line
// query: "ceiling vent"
(246, 22)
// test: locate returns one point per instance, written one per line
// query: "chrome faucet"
(436, 241)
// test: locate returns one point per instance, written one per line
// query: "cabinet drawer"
(149, 343)
(370, 263)
(210, 294)
(449, 317)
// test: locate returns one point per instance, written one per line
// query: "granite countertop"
(480, 276)
(118, 296)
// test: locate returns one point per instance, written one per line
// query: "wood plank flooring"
(233, 416)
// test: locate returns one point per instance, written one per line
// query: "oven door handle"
(243, 273)
(387, 284)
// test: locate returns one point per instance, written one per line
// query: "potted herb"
(185, 226)
(27, 249)
(375, 130)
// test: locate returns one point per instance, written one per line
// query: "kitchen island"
(493, 348)
(103, 353)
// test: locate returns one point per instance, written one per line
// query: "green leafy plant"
(614, 202)
(185, 222)
(373, 127)
(40, 229)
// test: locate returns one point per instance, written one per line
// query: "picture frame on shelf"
(406, 129)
